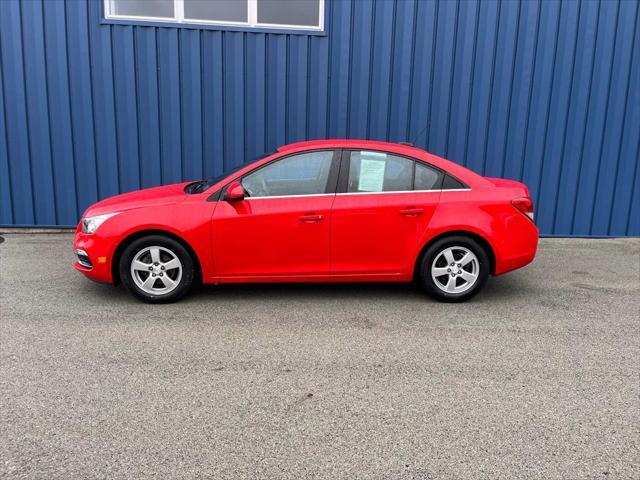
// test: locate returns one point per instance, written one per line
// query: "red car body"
(332, 237)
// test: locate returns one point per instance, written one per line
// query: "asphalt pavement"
(538, 377)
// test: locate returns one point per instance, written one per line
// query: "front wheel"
(454, 269)
(157, 269)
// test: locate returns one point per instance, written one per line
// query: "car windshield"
(202, 185)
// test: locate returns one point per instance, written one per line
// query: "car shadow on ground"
(496, 289)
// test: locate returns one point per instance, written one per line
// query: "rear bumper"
(519, 246)
(97, 263)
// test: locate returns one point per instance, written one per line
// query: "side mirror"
(235, 191)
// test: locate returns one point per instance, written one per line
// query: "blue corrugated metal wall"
(544, 92)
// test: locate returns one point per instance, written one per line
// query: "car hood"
(166, 195)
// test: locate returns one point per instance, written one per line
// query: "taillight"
(525, 205)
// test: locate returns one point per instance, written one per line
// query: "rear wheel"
(454, 269)
(157, 269)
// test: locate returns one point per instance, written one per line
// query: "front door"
(282, 227)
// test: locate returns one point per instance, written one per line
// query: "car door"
(281, 227)
(381, 212)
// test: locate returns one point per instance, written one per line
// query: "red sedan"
(318, 211)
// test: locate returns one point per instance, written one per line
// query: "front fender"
(187, 221)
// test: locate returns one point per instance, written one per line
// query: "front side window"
(289, 14)
(379, 172)
(303, 174)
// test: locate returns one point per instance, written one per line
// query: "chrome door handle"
(411, 212)
(310, 218)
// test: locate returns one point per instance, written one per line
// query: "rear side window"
(427, 178)
(451, 183)
(379, 172)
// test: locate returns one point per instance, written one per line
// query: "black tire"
(187, 274)
(433, 252)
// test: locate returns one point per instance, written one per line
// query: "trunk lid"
(512, 184)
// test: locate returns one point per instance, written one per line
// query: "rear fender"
(477, 219)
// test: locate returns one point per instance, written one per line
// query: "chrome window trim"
(360, 193)
(292, 196)
(406, 191)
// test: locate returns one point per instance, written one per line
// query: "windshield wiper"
(197, 187)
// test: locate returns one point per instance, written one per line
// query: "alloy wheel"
(156, 270)
(455, 269)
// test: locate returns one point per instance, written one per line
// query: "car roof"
(347, 143)
(464, 174)
(455, 169)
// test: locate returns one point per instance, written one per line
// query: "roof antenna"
(421, 132)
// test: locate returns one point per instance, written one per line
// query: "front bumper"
(93, 256)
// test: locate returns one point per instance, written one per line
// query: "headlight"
(91, 224)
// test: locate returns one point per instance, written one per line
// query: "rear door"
(381, 212)
(281, 227)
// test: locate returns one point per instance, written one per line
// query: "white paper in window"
(371, 175)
